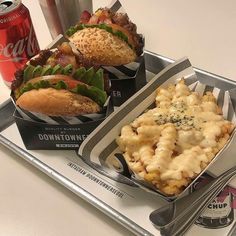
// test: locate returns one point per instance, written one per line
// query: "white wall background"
(205, 31)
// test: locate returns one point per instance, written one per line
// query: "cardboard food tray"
(100, 150)
(42, 132)
(39, 131)
(128, 205)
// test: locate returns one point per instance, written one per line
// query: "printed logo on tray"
(92, 177)
(220, 213)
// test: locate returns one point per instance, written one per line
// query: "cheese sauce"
(177, 138)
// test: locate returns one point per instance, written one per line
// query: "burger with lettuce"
(107, 37)
(60, 83)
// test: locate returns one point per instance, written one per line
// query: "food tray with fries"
(116, 188)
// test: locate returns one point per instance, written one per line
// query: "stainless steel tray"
(68, 169)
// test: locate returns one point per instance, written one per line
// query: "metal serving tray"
(128, 205)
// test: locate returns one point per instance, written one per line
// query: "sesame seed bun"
(53, 102)
(102, 47)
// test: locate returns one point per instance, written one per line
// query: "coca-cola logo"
(21, 50)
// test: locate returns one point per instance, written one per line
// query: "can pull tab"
(5, 4)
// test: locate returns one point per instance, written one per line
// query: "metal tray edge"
(82, 193)
(166, 61)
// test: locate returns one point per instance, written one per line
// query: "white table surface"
(32, 204)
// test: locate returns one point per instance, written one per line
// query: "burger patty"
(16, 83)
(41, 58)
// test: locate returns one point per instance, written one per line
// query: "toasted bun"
(54, 102)
(103, 47)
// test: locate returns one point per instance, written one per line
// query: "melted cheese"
(177, 137)
(189, 162)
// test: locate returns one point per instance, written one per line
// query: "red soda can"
(18, 42)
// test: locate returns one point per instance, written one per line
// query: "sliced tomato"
(54, 79)
(72, 83)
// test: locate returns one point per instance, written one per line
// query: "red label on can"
(18, 42)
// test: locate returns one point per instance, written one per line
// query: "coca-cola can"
(18, 42)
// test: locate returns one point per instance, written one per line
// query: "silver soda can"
(61, 14)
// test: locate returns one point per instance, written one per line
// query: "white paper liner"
(101, 145)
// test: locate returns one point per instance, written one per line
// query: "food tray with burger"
(116, 195)
(69, 88)
(60, 97)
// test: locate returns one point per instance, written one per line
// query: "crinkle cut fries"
(169, 145)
